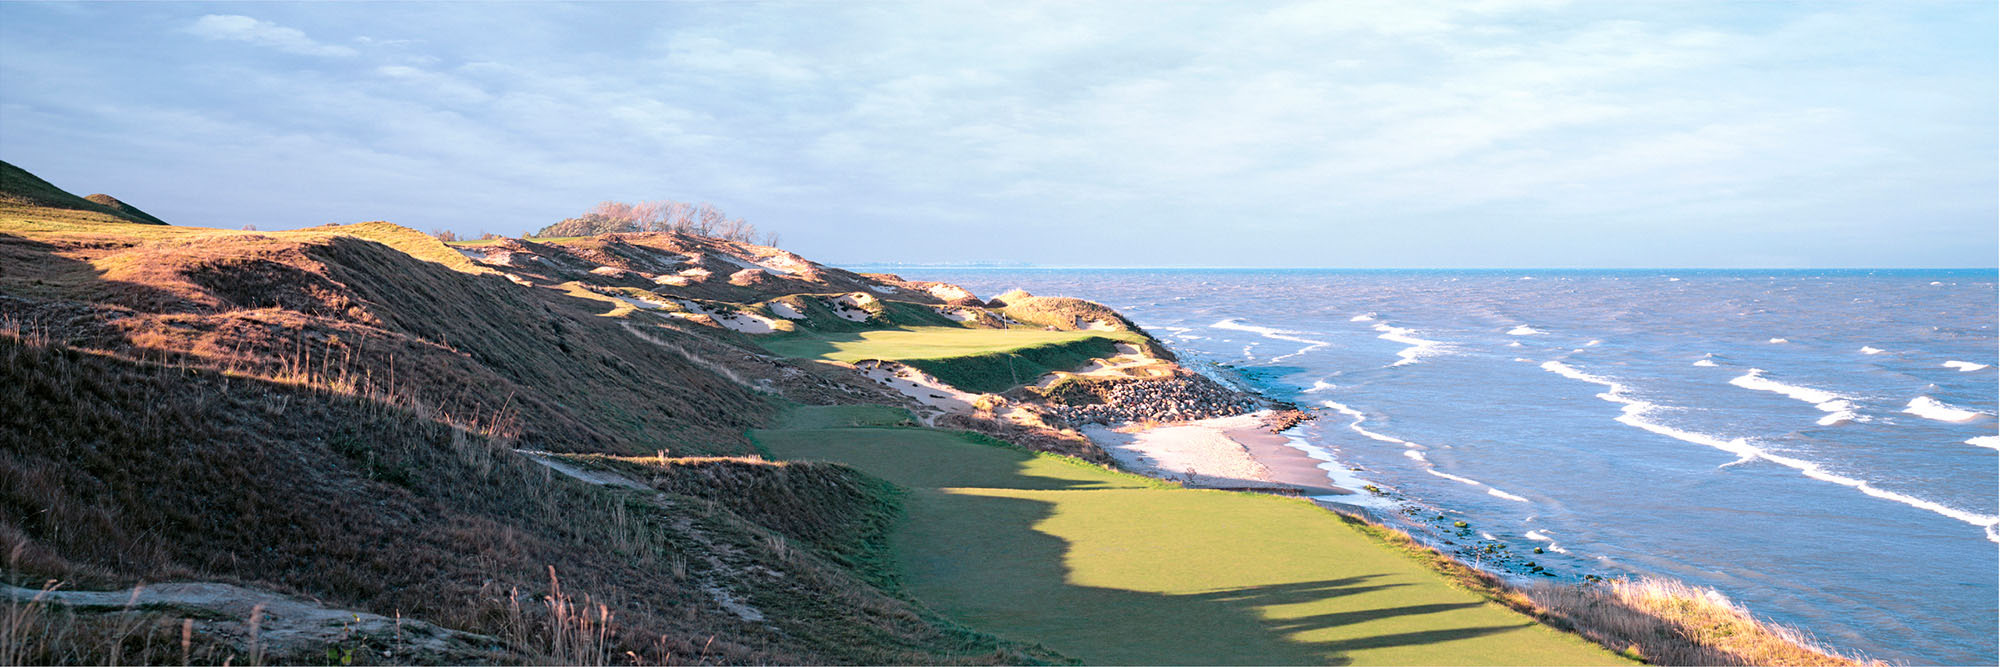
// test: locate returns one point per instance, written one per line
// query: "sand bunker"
(849, 306)
(1094, 325)
(785, 310)
(919, 385)
(950, 292)
(958, 314)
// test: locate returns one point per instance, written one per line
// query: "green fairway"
(925, 342)
(978, 360)
(1118, 569)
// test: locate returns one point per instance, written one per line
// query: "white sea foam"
(1356, 425)
(1503, 495)
(1704, 363)
(1965, 366)
(1523, 330)
(1593, 343)
(1415, 455)
(1867, 349)
(1418, 347)
(1455, 478)
(1341, 476)
(1987, 441)
(1634, 411)
(1514, 344)
(1368, 317)
(1779, 340)
(1931, 408)
(1673, 280)
(1539, 536)
(1236, 324)
(1840, 409)
(1319, 386)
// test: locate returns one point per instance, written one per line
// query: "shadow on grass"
(982, 560)
(979, 542)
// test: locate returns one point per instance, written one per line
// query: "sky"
(1295, 134)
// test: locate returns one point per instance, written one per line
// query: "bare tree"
(770, 239)
(445, 235)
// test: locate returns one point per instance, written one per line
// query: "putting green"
(1118, 569)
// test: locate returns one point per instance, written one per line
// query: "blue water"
(1566, 410)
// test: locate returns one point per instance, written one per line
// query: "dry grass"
(1652, 620)
(1672, 623)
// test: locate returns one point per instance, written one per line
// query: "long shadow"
(977, 543)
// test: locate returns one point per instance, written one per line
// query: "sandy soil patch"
(950, 292)
(1094, 325)
(732, 259)
(745, 322)
(958, 314)
(785, 310)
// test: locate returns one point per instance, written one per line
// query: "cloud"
(237, 28)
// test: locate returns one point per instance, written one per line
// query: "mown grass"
(978, 360)
(1119, 569)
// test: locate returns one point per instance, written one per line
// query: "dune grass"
(980, 360)
(1113, 568)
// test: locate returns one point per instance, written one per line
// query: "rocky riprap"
(1184, 397)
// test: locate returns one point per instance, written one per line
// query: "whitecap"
(1367, 317)
(1418, 347)
(1841, 406)
(1673, 280)
(1593, 343)
(1236, 324)
(1514, 344)
(1523, 330)
(1965, 366)
(1503, 495)
(1865, 349)
(1634, 411)
(1455, 478)
(1779, 340)
(1704, 363)
(1987, 441)
(1931, 408)
(1319, 386)
(1936, 283)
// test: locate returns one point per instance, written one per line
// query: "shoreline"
(1239, 453)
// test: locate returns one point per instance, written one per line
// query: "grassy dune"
(1119, 569)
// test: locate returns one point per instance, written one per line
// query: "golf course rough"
(1112, 568)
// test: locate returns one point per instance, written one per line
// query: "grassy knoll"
(1118, 569)
(985, 360)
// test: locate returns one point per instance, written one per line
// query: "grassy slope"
(20, 188)
(983, 360)
(1113, 568)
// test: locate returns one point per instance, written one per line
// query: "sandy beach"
(1237, 452)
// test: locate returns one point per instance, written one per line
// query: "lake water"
(1818, 445)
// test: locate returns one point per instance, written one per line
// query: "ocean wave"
(1339, 474)
(1840, 409)
(1866, 349)
(1780, 340)
(1366, 317)
(1633, 414)
(1503, 495)
(1965, 366)
(1540, 536)
(1987, 441)
(1524, 330)
(1418, 347)
(1236, 324)
(1931, 408)
(1319, 386)
(1704, 363)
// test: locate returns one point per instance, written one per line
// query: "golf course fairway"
(1113, 568)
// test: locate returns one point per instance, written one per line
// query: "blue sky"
(1345, 134)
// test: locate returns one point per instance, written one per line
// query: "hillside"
(20, 189)
(356, 443)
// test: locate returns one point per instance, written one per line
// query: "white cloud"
(238, 28)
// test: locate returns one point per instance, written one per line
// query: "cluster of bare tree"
(702, 219)
(449, 236)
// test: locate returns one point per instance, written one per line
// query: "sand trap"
(950, 292)
(849, 306)
(1129, 359)
(672, 281)
(958, 314)
(637, 303)
(919, 385)
(785, 310)
(745, 322)
(884, 289)
(696, 274)
(473, 254)
(732, 259)
(1094, 325)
